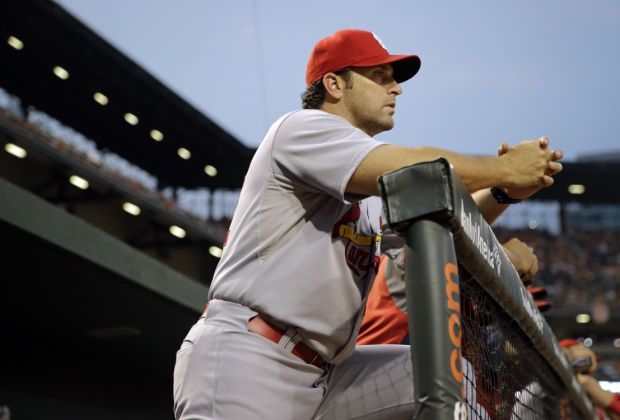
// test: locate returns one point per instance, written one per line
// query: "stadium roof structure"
(586, 183)
(53, 62)
(94, 323)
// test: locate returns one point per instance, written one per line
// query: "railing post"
(433, 307)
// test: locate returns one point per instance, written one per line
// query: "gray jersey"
(299, 250)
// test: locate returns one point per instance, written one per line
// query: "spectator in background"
(5, 413)
(585, 364)
(579, 268)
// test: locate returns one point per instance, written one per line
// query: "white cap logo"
(379, 41)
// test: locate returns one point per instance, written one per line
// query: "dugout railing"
(448, 243)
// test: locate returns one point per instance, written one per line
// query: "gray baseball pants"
(223, 371)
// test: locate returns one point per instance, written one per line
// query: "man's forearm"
(489, 207)
(475, 172)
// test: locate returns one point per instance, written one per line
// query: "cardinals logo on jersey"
(361, 246)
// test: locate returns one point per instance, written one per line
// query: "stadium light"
(215, 251)
(210, 170)
(177, 231)
(131, 208)
(184, 153)
(100, 98)
(582, 318)
(157, 135)
(576, 189)
(131, 119)
(15, 42)
(15, 150)
(79, 182)
(61, 73)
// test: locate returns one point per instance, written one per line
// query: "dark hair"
(314, 96)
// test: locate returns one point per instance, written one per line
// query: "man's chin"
(379, 126)
(387, 124)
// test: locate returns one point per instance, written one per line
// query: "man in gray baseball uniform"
(285, 304)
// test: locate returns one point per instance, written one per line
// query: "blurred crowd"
(579, 268)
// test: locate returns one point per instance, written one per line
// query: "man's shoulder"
(313, 117)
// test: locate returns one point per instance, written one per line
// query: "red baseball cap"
(356, 48)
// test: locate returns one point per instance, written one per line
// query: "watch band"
(502, 198)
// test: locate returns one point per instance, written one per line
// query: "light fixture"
(15, 42)
(177, 231)
(215, 251)
(157, 135)
(210, 170)
(61, 73)
(131, 118)
(79, 182)
(582, 318)
(131, 208)
(184, 153)
(576, 189)
(15, 150)
(100, 98)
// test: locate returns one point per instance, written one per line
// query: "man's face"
(371, 98)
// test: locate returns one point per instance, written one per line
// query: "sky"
(492, 71)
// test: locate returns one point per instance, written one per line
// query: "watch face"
(502, 198)
(499, 195)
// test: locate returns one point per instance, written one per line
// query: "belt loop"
(289, 339)
(316, 356)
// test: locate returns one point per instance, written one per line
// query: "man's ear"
(334, 86)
